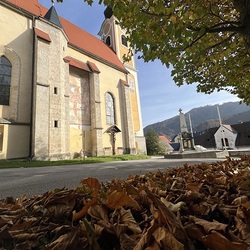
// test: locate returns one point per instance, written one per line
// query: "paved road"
(32, 181)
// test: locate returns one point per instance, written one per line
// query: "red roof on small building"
(164, 138)
(89, 44)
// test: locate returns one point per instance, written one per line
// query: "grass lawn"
(26, 163)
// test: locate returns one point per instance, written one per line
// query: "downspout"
(32, 90)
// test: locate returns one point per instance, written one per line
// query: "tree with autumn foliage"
(206, 42)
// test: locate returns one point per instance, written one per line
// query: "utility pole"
(191, 131)
(222, 131)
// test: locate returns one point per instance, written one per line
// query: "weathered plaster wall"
(107, 81)
(51, 95)
(16, 45)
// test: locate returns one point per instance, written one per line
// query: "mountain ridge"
(203, 118)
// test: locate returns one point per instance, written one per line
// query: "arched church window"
(110, 109)
(108, 41)
(124, 41)
(5, 79)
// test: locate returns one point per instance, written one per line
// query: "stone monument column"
(186, 138)
(183, 124)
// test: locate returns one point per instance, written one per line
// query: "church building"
(63, 91)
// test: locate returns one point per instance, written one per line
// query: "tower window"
(55, 90)
(55, 124)
(124, 40)
(108, 42)
(110, 109)
(5, 80)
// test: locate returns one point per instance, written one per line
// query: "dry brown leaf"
(151, 183)
(99, 212)
(65, 242)
(116, 186)
(59, 203)
(194, 186)
(119, 199)
(199, 209)
(244, 231)
(126, 242)
(193, 196)
(125, 217)
(166, 240)
(79, 215)
(146, 238)
(12, 211)
(58, 231)
(119, 229)
(26, 245)
(7, 219)
(240, 200)
(23, 224)
(209, 226)
(216, 241)
(221, 180)
(167, 218)
(245, 207)
(194, 232)
(93, 184)
(245, 184)
(131, 190)
(98, 230)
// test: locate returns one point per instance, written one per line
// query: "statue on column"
(186, 138)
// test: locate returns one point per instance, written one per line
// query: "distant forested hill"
(204, 118)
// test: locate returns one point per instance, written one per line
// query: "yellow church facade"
(64, 92)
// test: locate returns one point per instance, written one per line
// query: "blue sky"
(159, 96)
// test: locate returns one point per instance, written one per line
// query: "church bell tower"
(116, 38)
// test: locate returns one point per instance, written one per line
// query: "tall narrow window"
(5, 79)
(108, 42)
(55, 124)
(110, 109)
(124, 41)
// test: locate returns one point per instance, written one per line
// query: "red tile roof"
(164, 138)
(89, 44)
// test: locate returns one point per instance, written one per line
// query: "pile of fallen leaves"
(205, 206)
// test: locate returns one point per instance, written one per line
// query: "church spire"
(52, 16)
(108, 12)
